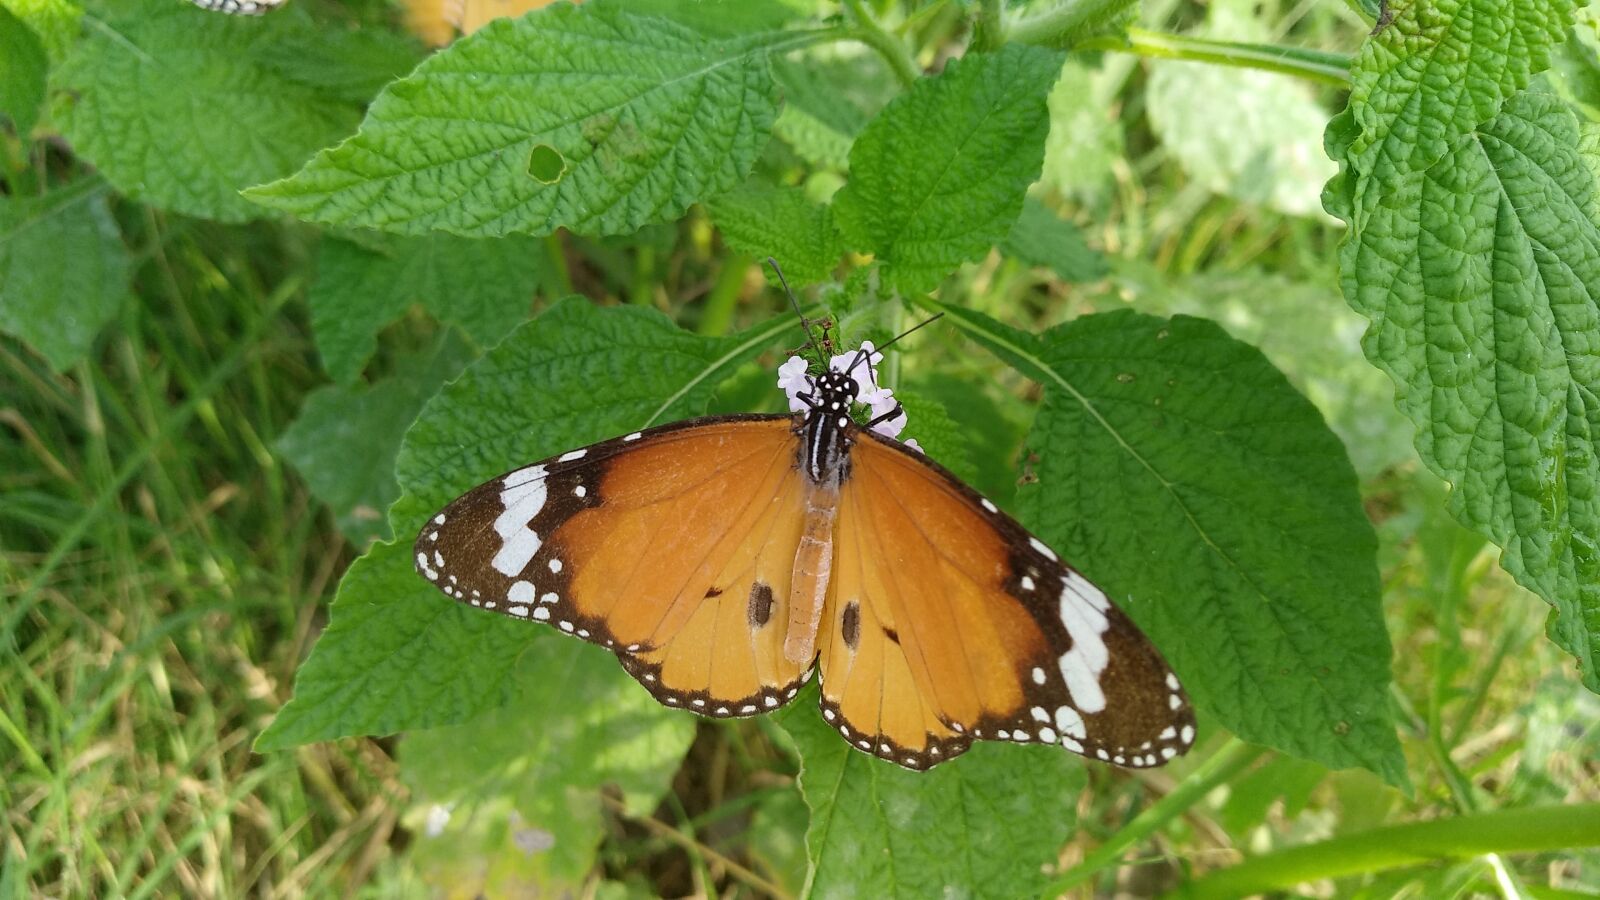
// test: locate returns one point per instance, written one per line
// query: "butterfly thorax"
(826, 428)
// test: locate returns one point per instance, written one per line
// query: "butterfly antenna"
(861, 354)
(805, 323)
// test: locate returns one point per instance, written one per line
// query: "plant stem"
(868, 31)
(988, 33)
(1068, 23)
(1223, 765)
(724, 296)
(1528, 830)
(1315, 65)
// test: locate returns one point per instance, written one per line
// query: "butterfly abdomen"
(813, 565)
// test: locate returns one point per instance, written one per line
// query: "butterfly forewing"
(672, 547)
(948, 622)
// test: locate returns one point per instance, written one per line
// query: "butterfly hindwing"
(948, 622)
(671, 547)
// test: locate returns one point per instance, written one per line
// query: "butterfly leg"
(893, 413)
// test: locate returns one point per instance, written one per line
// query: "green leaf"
(1481, 292)
(183, 107)
(484, 286)
(829, 95)
(940, 437)
(724, 18)
(521, 785)
(1042, 238)
(1254, 136)
(22, 72)
(1439, 70)
(345, 440)
(986, 824)
(352, 64)
(1474, 249)
(397, 655)
(54, 22)
(763, 220)
(939, 176)
(1181, 472)
(590, 117)
(63, 270)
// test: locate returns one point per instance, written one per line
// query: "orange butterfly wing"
(947, 622)
(671, 547)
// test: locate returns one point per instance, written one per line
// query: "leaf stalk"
(1527, 830)
(1314, 65)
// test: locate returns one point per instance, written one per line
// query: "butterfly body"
(239, 7)
(725, 559)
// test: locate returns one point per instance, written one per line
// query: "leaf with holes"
(183, 108)
(522, 784)
(939, 176)
(1474, 249)
(987, 824)
(1181, 472)
(483, 286)
(592, 118)
(396, 655)
(63, 270)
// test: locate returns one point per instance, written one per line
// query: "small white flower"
(882, 404)
(912, 443)
(793, 381)
(865, 372)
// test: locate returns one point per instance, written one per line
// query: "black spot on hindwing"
(760, 604)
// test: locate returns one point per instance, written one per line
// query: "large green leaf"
(1181, 471)
(519, 787)
(63, 270)
(182, 107)
(484, 286)
(1474, 250)
(938, 178)
(987, 824)
(397, 655)
(591, 117)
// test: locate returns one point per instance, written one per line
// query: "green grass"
(164, 576)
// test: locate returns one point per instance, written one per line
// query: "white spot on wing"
(1082, 612)
(989, 506)
(571, 455)
(633, 437)
(1069, 722)
(523, 497)
(1044, 551)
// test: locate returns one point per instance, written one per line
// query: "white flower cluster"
(793, 380)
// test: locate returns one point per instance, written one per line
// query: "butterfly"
(725, 559)
(239, 7)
